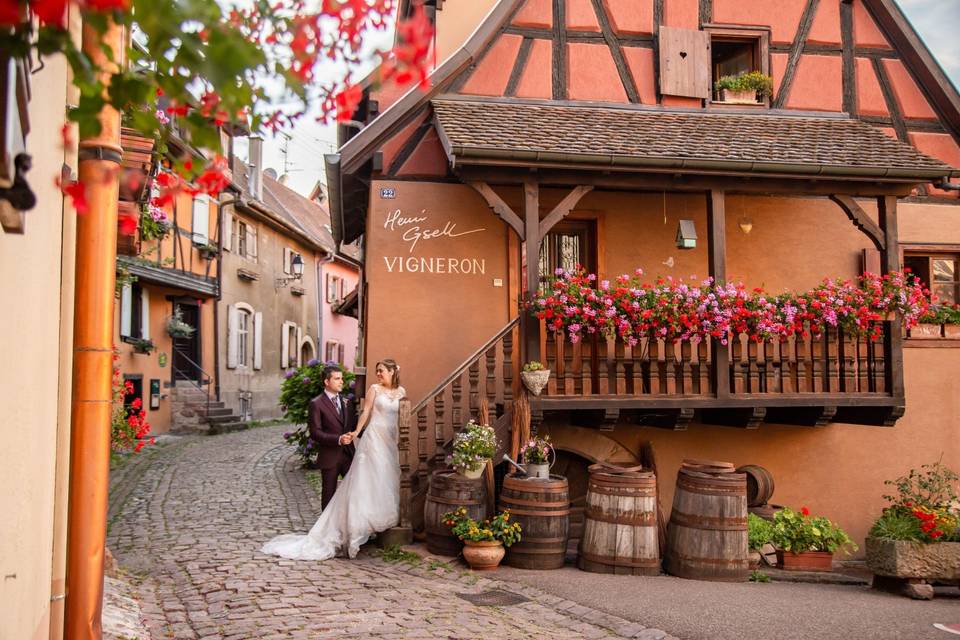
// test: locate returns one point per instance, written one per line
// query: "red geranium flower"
(805, 511)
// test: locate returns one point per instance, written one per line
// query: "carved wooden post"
(893, 333)
(406, 479)
(717, 253)
(531, 248)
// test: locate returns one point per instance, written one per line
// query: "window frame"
(200, 238)
(760, 36)
(244, 317)
(931, 253)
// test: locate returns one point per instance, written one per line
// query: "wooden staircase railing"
(427, 429)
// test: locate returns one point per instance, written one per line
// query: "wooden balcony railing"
(834, 364)
(427, 429)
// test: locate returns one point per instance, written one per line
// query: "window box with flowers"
(942, 320)
(916, 540)
(154, 223)
(208, 251)
(746, 88)
(805, 542)
(484, 542)
(142, 345)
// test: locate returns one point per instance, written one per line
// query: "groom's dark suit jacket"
(326, 426)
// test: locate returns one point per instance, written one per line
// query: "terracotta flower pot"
(483, 556)
(925, 331)
(951, 331)
(806, 561)
(738, 97)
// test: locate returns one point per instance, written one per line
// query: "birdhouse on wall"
(686, 235)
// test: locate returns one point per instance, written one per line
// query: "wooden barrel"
(707, 466)
(759, 484)
(449, 490)
(620, 526)
(707, 534)
(542, 507)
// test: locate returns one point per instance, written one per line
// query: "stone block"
(901, 559)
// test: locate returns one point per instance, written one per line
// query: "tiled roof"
(590, 134)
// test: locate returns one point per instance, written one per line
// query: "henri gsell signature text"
(414, 230)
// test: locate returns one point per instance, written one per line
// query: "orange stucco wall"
(430, 322)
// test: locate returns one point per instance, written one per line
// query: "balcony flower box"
(925, 331)
(951, 331)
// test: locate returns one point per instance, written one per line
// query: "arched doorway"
(306, 352)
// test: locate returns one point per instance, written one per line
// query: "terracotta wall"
(36, 342)
(343, 329)
(158, 364)
(431, 322)
(837, 471)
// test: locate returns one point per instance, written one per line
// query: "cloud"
(936, 21)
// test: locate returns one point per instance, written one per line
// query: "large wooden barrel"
(620, 525)
(707, 534)
(542, 507)
(759, 484)
(449, 490)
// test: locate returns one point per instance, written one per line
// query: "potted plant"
(154, 223)
(472, 448)
(208, 251)
(142, 345)
(916, 539)
(759, 535)
(535, 377)
(745, 88)
(484, 542)
(939, 317)
(177, 328)
(536, 457)
(806, 543)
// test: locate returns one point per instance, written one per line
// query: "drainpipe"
(321, 300)
(99, 156)
(216, 303)
(948, 186)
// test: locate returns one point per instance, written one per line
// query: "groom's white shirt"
(333, 398)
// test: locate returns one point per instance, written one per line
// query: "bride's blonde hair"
(391, 365)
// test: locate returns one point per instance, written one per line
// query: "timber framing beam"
(672, 181)
(562, 209)
(796, 50)
(861, 220)
(500, 207)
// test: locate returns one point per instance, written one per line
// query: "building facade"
(565, 132)
(277, 315)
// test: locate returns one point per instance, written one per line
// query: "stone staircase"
(191, 413)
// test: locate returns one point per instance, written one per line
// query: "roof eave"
(461, 154)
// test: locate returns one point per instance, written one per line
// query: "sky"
(300, 155)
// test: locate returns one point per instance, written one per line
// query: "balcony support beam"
(717, 253)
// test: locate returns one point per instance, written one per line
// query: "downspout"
(99, 157)
(948, 186)
(216, 302)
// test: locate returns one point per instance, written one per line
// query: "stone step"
(227, 427)
(218, 410)
(230, 417)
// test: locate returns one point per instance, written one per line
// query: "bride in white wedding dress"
(368, 499)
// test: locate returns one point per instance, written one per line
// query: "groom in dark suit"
(331, 418)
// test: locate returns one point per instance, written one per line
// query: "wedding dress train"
(368, 498)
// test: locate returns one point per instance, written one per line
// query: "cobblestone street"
(187, 519)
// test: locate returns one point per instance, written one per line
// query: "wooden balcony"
(835, 377)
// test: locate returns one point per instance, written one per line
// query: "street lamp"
(296, 269)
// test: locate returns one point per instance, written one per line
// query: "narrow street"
(188, 517)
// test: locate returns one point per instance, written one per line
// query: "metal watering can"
(533, 471)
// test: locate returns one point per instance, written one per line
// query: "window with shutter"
(340, 353)
(243, 335)
(229, 242)
(685, 61)
(201, 219)
(126, 311)
(252, 242)
(258, 340)
(735, 51)
(232, 336)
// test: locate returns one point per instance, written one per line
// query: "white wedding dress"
(368, 498)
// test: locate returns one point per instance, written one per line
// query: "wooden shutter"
(285, 346)
(340, 353)
(871, 261)
(227, 232)
(145, 314)
(126, 311)
(201, 219)
(251, 242)
(330, 285)
(233, 322)
(685, 62)
(299, 343)
(287, 255)
(257, 340)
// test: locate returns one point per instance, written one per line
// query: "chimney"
(255, 161)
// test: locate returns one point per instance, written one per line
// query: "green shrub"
(759, 532)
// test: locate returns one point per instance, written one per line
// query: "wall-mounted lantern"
(686, 235)
(296, 271)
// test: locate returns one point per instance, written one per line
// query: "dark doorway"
(186, 351)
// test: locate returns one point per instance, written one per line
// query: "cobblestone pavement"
(188, 518)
